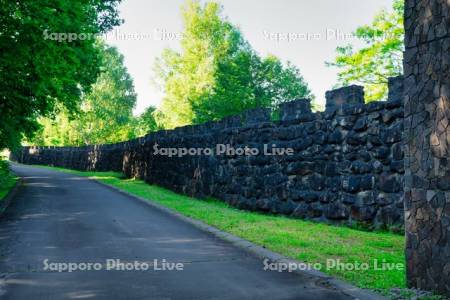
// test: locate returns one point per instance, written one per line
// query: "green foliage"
(39, 73)
(276, 83)
(57, 130)
(218, 74)
(106, 113)
(146, 122)
(380, 59)
(7, 180)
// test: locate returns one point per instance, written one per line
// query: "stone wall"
(427, 159)
(347, 164)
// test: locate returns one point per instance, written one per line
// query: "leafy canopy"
(218, 74)
(38, 73)
(381, 58)
(146, 122)
(106, 112)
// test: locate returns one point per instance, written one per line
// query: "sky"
(305, 32)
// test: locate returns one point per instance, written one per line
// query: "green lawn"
(303, 240)
(7, 180)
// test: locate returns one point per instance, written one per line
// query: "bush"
(7, 180)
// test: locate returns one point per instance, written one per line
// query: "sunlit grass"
(303, 240)
(7, 180)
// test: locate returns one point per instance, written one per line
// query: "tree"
(107, 110)
(276, 83)
(217, 73)
(106, 113)
(58, 130)
(146, 122)
(380, 59)
(39, 72)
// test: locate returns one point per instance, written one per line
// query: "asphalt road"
(60, 218)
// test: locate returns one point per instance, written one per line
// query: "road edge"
(254, 249)
(6, 201)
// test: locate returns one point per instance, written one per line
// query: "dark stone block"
(320, 137)
(351, 184)
(333, 183)
(274, 179)
(375, 106)
(387, 216)
(397, 166)
(349, 198)
(337, 211)
(390, 183)
(395, 86)
(364, 155)
(330, 112)
(285, 208)
(361, 124)
(359, 167)
(256, 115)
(347, 95)
(293, 109)
(346, 122)
(392, 135)
(301, 210)
(330, 169)
(443, 182)
(337, 136)
(300, 168)
(397, 151)
(382, 152)
(306, 196)
(363, 214)
(375, 140)
(264, 204)
(367, 182)
(365, 198)
(316, 210)
(352, 109)
(316, 182)
(384, 199)
(392, 115)
(356, 139)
